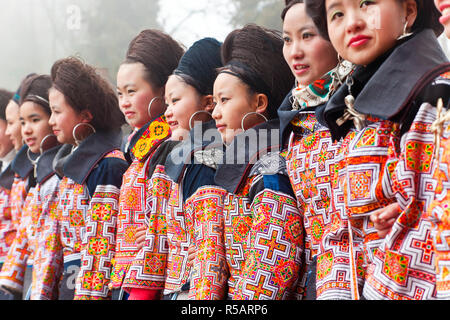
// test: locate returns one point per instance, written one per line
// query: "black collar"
(21, 165)
(286, 115)
(232, 174)
(7, 178)
(79, 164)
(45, 165)
(182, 154)
(387, 86)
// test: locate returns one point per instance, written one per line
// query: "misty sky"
(29, 43)
(24, 48)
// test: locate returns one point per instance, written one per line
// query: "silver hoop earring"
(250, 113)
(41, 147)
(78, 141)
(149, 109)
(33, 162)
(196, 113)
(31, 159)
(405, 34)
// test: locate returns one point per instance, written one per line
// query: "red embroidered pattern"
(358, 189)
(148, 269)
(403, 267)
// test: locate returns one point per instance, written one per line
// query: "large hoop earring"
(74, 133)
(248, 114)
(149, 109)
(196, 113)
(41, 147)
(33, 162)
(405, 34)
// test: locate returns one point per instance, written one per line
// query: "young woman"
(7, 154)
(242, 245)
(188, 95)
(151, 58)
(21, 170)
(378, 113)
(37, 134)
(80, 243)
(310, 148)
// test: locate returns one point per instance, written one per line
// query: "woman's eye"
(336, 15)
(287, 40)
(224, 100)
(364, 3)
(307, 35)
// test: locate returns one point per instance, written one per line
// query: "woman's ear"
(208, 103)
(86, 116)
(262, 102)
(411, 12)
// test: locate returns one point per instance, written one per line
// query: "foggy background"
(35, 33)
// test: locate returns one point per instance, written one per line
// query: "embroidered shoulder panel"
(157, 132)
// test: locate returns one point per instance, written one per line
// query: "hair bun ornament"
(200, 63)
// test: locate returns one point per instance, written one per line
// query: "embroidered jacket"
(12, 273)
(137, 207)
(311, 156)
(40, 198)
(148, 269)
(245, 225)
(84, 226)
(405, 265)
(352, 260)
(179, 230)
(438, 213)
(7, 233)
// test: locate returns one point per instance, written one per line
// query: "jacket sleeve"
(13, 270)
(274, 260)
(99, 239)
(7, 234)
(205, 222)
(147, 271)
(48, 256)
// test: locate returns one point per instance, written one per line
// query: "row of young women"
(349, 202)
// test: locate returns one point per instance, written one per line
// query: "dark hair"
(84, 89)
(35, 89)
(5, 97)
(255, 55)
(198, 65)
(158, 52)
(427, 16)
(289, 4)
(16, 96)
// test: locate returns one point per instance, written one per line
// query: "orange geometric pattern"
(404, 265)
(350, 239)
(148, 268)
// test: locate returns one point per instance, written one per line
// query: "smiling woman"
(391, 97)
(35, 112)
(42, 184)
